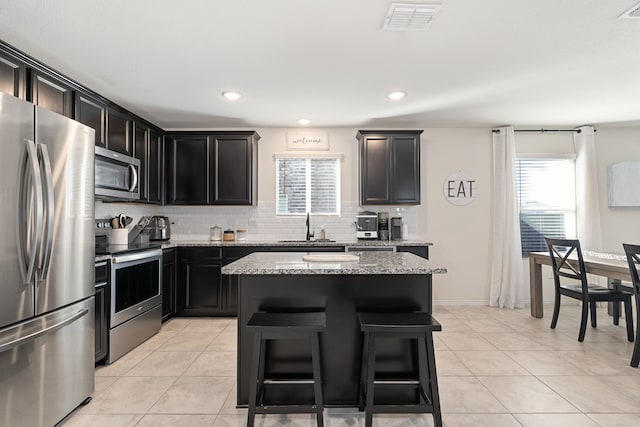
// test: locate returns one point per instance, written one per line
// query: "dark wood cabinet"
(200, 285)
(155, 166)
(187, 166)
(421, 251)
(168, 283)
(50, 93)
(230, 283)
(119, 130)
(92, 113)
(211, 168)
(389, 167)
(101, 309)
(147, 147)
(12, 76)
(232, 176)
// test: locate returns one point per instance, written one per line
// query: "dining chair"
(570, 279)
(633, 258)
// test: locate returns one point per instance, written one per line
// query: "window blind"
(308, 185)
(546, 201)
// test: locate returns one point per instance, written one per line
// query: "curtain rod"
(542, 130)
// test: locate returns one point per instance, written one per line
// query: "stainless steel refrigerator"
(46, 264)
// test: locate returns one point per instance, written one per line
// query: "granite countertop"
(369, 263)
(257, 242)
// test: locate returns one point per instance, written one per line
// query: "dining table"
(612, 266)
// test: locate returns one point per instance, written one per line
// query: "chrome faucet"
(309, 234)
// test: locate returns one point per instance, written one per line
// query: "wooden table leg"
(535, 288)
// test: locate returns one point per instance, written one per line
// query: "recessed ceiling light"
(304, 121)
(396, 95)
(232, 96)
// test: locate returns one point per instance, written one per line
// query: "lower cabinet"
(101, 309)
(168, 283)
(199, 287)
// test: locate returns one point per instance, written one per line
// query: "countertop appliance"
(383, 225)
(47, 292)
(396, 228)
(159, 228)
(135, 306)
(367, 225)
(116, 175)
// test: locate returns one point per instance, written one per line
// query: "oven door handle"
(136, 256)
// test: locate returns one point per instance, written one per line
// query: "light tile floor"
(496, 368)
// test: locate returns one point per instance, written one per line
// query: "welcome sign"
(307, 141)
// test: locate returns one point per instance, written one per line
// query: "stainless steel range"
(136, 300)
(135, 292)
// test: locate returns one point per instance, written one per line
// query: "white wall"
(461, 234)
(619, 225)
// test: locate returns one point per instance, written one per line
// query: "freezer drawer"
(42, 379)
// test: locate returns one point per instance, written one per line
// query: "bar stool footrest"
(286, 409)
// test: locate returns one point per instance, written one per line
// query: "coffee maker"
(367, 225)
(396, 228)
(383, 225)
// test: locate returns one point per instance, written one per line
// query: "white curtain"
(587, 194)
(507, 276)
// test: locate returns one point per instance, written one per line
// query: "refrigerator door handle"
(29, 198)
(43, 156)
(134, 177)
(30, 336)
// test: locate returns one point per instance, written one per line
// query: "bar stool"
(411, 326)
(274, 326)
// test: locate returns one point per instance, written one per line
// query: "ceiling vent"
(409, 17)
(633, 13)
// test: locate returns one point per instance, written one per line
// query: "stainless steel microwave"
(116, 175)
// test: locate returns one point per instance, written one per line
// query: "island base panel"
(341, 297)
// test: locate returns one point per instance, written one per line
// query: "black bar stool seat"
(274, 326)
(412, 326)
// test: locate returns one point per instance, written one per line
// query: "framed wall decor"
(307, 141)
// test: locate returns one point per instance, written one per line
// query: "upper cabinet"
(93, 113)
(147, 144)
(232, 172)
(389, 167)
(212, 168)
(119, 131)
(12, 76)
(186, 169)
(50, 93)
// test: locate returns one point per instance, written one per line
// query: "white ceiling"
(481, 63)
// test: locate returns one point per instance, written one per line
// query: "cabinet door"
(230, 163)
(405, 171)
(187, 180)
(202, 294)
(141, 152)
(119, 132)
(375, 169)
(168, 284)
(92, 113)
(51, 94)
(101, 323)
(12, 76)
(154, 167)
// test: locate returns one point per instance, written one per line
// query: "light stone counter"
(287, 263)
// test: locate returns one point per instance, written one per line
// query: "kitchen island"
(377, 281)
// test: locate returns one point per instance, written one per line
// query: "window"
(546, 201)
(307, 184)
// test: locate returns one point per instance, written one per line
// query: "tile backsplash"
(193, 222)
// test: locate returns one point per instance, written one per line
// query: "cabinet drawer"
(202, 253)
